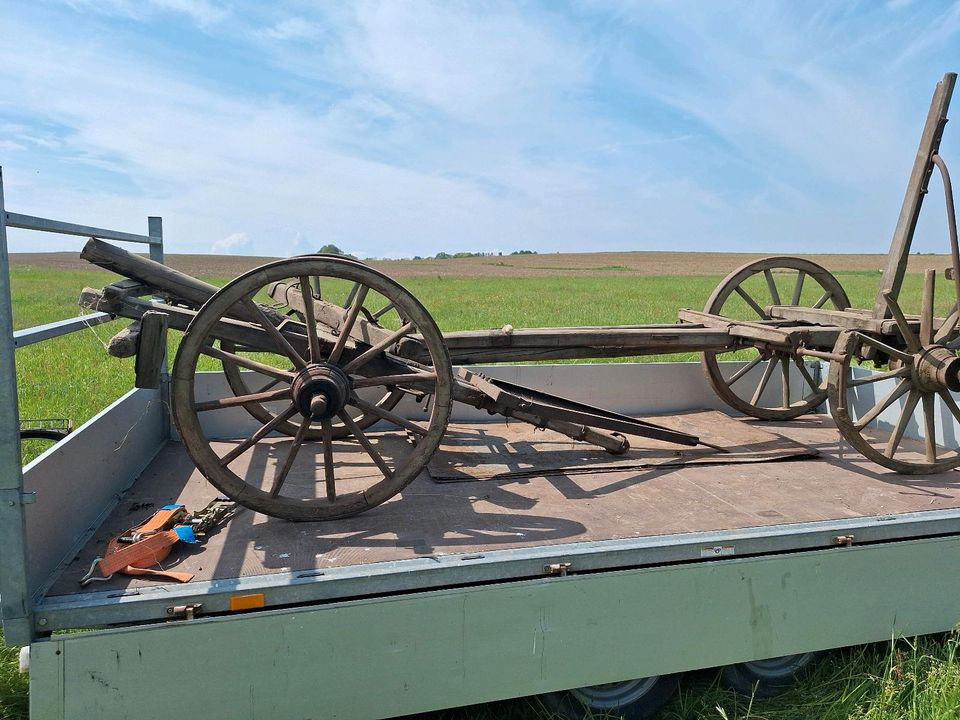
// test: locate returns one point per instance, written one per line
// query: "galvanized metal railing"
(16, 603)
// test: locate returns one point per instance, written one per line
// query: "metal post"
(15, 604)
(155, 231)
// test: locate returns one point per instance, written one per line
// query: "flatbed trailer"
(466, 592)
(537, 579)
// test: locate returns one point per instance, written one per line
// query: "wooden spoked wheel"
(267, 412)
(920, 369)
(324, 361)
(745, 294)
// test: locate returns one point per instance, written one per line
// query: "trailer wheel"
(766, 678)
(637, 699)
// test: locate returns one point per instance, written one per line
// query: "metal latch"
(186, 611)
(13, 497)
(843, 540)
(556, 569)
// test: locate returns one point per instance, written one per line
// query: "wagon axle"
(321, 391)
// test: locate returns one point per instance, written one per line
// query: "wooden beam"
(899, 253)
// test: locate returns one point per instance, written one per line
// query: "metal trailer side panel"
(79, 480)
(396, 655)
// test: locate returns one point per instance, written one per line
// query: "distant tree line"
(331, 249)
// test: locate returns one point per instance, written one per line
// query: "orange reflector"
(246, 602)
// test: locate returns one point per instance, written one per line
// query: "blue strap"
(186, 534)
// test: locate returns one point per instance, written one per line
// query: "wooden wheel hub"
(936, 368)
(321, 390)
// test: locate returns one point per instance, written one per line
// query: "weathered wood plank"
(898, 255)
(124, 343)
(842, 319)
(151, 349)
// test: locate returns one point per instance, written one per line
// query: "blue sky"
(396, 128)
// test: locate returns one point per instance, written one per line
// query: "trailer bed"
(431, 519)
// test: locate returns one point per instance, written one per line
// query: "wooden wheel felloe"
(745, 294)
(323, 361)
(920, 370)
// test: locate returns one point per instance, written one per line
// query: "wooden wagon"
(336, 345)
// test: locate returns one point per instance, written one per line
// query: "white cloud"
(412, 129)
(294, 28)
(233, 244)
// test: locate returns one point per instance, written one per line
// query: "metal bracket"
(557, 569)
(187, 612)
(14, 496)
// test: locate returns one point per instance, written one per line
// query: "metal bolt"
(42, 622)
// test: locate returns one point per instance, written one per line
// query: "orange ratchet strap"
(143, 546)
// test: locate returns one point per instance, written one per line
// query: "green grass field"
(73, 377)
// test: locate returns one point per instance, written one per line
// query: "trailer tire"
(638, 699)
(766, 678)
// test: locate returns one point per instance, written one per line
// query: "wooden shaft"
(184, 288)
(119, 261)
(916, 188)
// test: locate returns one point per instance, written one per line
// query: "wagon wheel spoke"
(275, 334)
(798, 288)
(248, 363)
(357, 296)
(394, 337)
(805, 373)
(352, 294)
(267, 386)
(238, 400)
(895, 393)
(387, 415)
(281, 476)
(823, 300)
(906, 412)
(767, 373)
(383, 311)
(745, 369)
(748, 299)
(913, 344)
(785, 372)
(366, 444)
(261, 433)
(951, 404)
(772, 286)
(926, 308)
(929, 428)
(393, 380)
(328, 469)
(949, 325)
(877, 377)
(309, 318)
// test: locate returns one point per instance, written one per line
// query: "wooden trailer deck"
(525, 508)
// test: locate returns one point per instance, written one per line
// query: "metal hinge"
(187, 612)
(556, 569)
(12, 497)
(843, 540)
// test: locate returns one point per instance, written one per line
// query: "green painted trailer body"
(388, 656)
